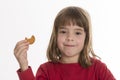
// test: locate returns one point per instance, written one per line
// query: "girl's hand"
(20, 52)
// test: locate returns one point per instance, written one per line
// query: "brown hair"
(76, 16)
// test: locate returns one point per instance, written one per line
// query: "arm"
(103, 72)
(26, 75)
(25, 71)
(20, 52)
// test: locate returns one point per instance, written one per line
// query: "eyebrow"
(79, 29)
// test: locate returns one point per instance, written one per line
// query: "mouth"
(67, 45)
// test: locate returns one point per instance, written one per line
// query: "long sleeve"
(26, 75)
(42, 73)
(103, 73)
(72, 71)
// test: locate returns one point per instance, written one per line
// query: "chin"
(69, 54)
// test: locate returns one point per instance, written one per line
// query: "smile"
(69, 45)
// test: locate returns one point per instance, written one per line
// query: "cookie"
(31, 40)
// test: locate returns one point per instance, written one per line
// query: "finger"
(21, 50)
(22, 58)
(19, 42)
(20, 45)
(22, 54)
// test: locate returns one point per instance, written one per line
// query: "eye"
(78, 33)
(62, 31)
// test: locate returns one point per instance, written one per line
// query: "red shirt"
(70, 71)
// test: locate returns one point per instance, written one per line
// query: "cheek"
(59, 40)
(81, 41)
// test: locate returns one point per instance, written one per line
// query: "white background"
(23, 18)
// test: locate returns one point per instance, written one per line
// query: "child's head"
(68, 16)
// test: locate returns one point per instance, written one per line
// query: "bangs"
(71, 17)
(69, 20)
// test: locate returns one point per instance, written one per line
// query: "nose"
(70, 37)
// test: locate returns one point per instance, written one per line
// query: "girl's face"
(70, 42)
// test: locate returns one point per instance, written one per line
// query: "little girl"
(70, 54)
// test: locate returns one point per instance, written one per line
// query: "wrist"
(23, 68)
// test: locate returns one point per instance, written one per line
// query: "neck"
(69, 59)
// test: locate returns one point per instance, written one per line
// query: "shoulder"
(45, 68)
(47, 65)
(44, 71)
(98, 64)
(101, 70)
